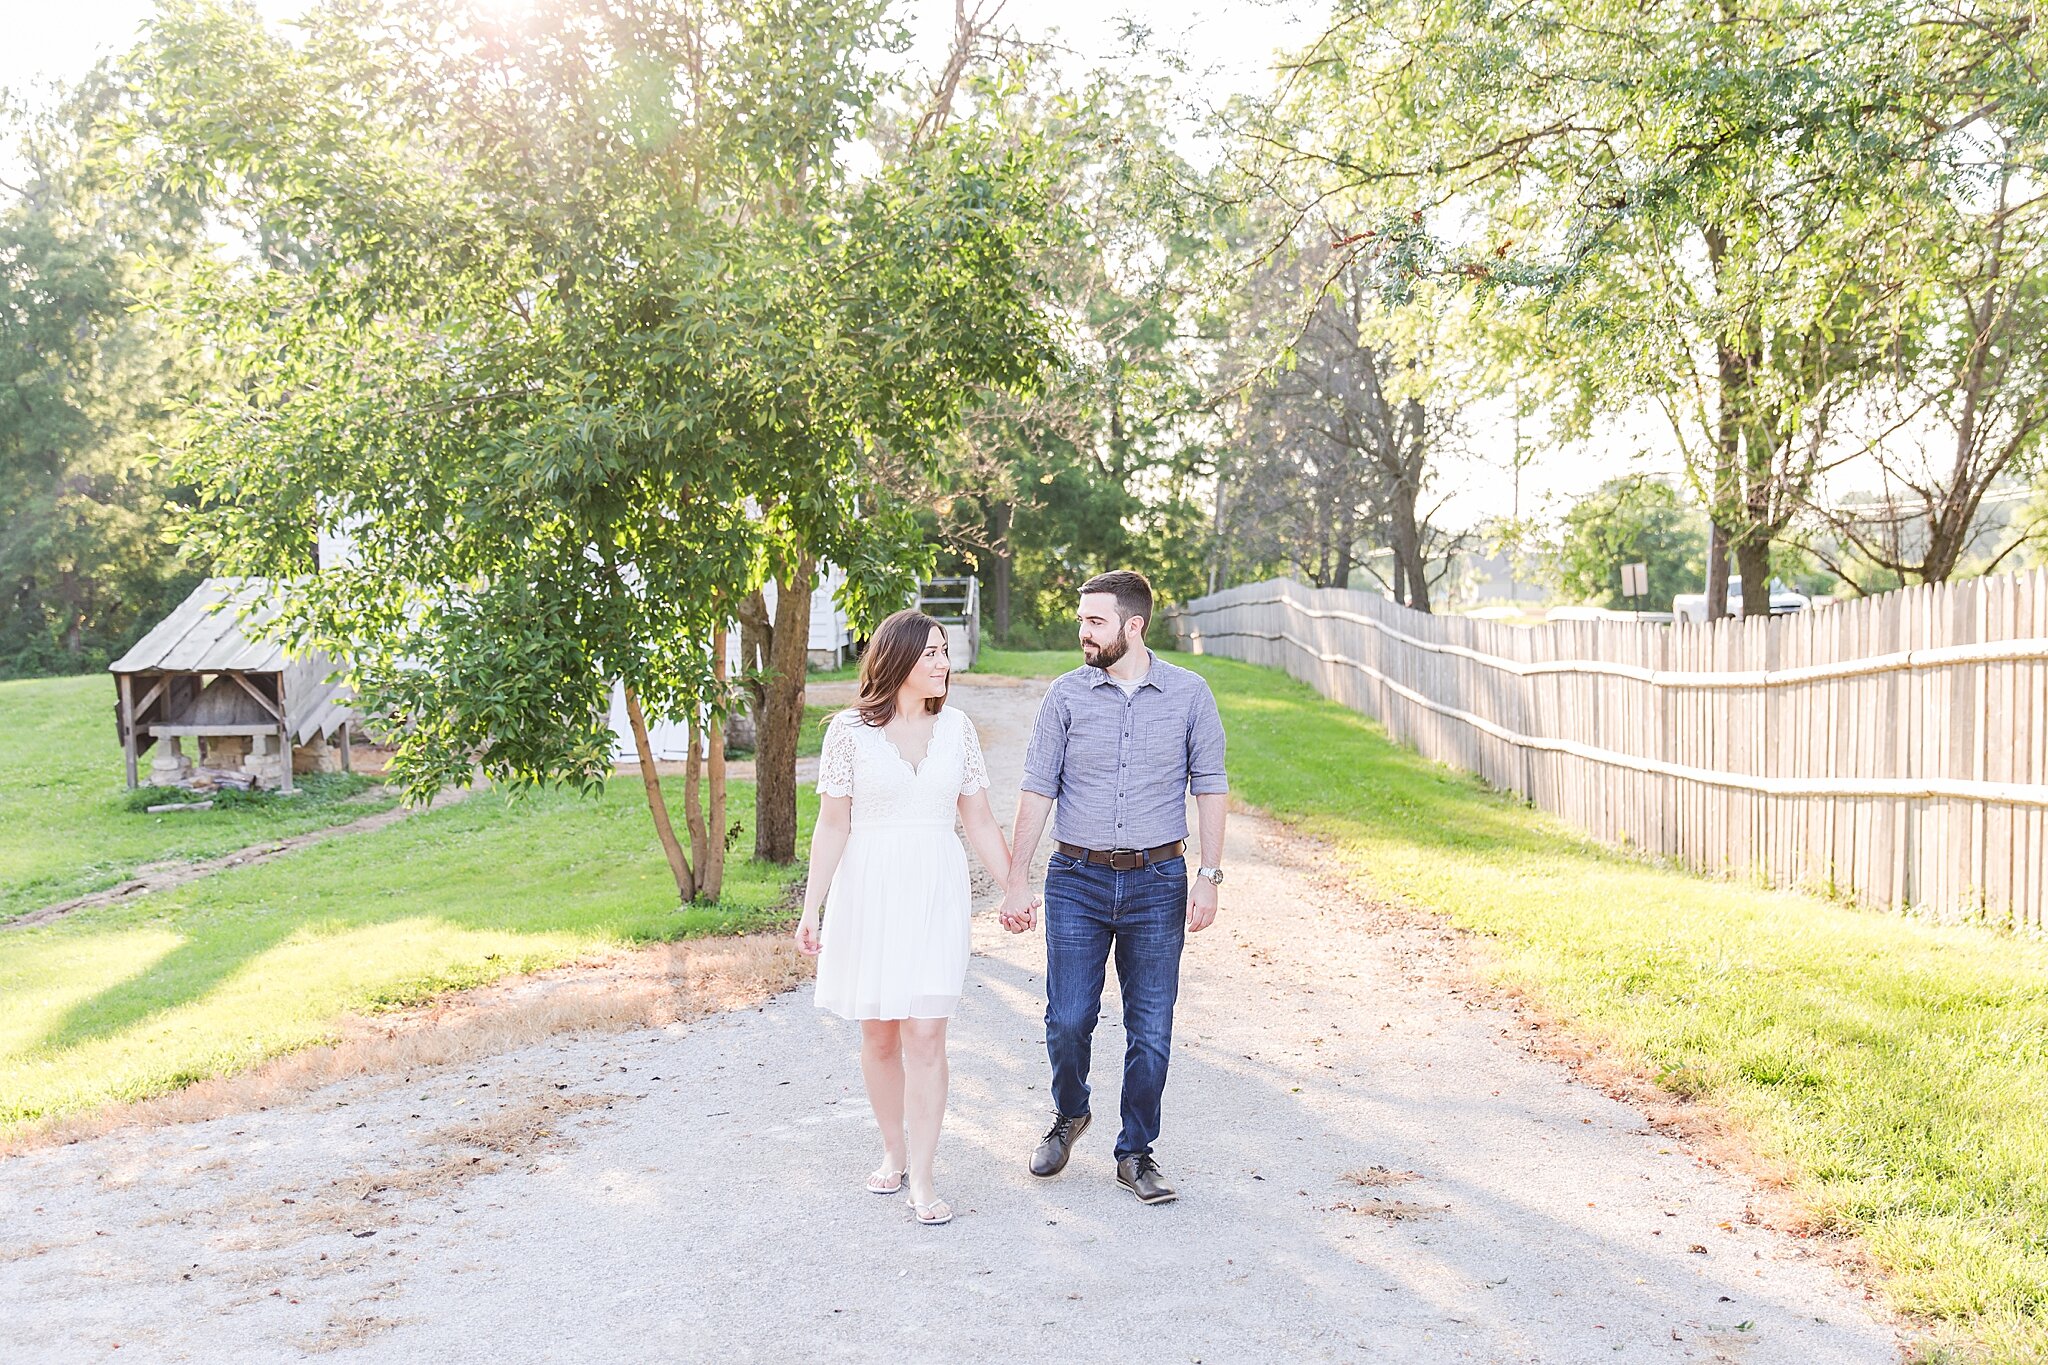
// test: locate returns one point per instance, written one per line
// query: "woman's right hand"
(807, 934)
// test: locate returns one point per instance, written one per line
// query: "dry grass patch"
(343, 1332)
(1376, 1176)
(483, 1146)
(515, 1129)
(1393, 1210)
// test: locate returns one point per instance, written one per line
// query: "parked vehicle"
(1692, 606)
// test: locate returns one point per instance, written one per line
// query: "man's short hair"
(1133, 593)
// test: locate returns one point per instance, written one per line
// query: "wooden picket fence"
(1893, 749)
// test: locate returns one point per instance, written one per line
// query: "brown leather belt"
(1122, 859)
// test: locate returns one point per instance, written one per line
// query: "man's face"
(1102, 633)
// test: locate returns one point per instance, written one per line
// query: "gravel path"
(692, 1193)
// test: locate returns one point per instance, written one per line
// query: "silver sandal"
(933, 1214)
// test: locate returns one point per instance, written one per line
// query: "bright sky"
(1227, 46)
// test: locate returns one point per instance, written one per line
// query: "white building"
(831, 645)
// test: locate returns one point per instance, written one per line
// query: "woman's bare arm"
(985, 835)
(828, 843)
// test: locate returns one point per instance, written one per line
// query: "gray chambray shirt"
(1121, 767)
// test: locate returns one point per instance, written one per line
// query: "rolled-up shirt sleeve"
(1205, 746)
(1047, 753)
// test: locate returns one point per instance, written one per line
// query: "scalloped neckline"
(917, 768)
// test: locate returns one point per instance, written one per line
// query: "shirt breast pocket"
(1163, 747)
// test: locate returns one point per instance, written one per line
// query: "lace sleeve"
(974, 776)
(835, 762)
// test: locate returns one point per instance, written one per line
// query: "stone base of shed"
(251, 757)
(317, 757)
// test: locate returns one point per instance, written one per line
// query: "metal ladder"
(955, 603)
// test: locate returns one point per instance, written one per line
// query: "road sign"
(1635, 580)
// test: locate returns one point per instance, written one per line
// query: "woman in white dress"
(890, 874)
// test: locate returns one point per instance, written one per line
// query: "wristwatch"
(1214, 874)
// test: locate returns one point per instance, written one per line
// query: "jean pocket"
(1172, 869)
(1060, 862)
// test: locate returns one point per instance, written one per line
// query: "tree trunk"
(1753, 558)
(1219, 564)
(664, 828)
(1737, 450)
(1347, 536)
(757, 633)
(1717, 569)
(713, 863)
(1001, 561)
(74, 619)
(693, 801)
(1407, 547)
(781, 716)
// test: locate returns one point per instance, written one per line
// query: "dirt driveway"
(1375, 1165)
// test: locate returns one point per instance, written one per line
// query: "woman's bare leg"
(924, 1099)
(881, 1066)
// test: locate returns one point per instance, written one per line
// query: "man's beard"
(1105, 656)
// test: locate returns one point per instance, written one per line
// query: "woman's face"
(929, 674)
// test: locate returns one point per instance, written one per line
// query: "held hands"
(807, 941)
(1019, 910)
(1201, 904)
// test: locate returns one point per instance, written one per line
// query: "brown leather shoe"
(1058, 1144)
(1140, 1175)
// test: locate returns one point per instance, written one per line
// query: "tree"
(1630, 520)
(1101, 469)
(1706, 203)
(577, 322)
(84, 382)
(1349, 404)
(1965, 407)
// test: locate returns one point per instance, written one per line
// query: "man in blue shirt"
(1120, 743)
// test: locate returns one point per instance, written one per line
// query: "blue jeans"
(1141, 915)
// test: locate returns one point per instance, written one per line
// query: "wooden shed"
(252, 711)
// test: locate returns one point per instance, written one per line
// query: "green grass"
(1028, 663)
(66, 828)
(810, 741)
(1007, 663)
(136, 999)
(1900, 1068)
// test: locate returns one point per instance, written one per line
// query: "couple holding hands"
(1119, 744)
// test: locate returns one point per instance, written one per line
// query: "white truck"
(1692, 606)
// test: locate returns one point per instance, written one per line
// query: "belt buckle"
(1126, 859)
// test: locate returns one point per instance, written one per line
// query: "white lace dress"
(895, 921)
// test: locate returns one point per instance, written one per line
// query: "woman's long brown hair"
(894, 649)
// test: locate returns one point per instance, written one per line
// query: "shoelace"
(1146, 1166)
(1062, 1127)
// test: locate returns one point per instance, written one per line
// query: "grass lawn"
(810, 741)
(65, 825)
(1028, 663)
(1007, 663)
(1900, 1068)
(208, 978)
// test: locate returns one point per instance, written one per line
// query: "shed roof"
(211, 632)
